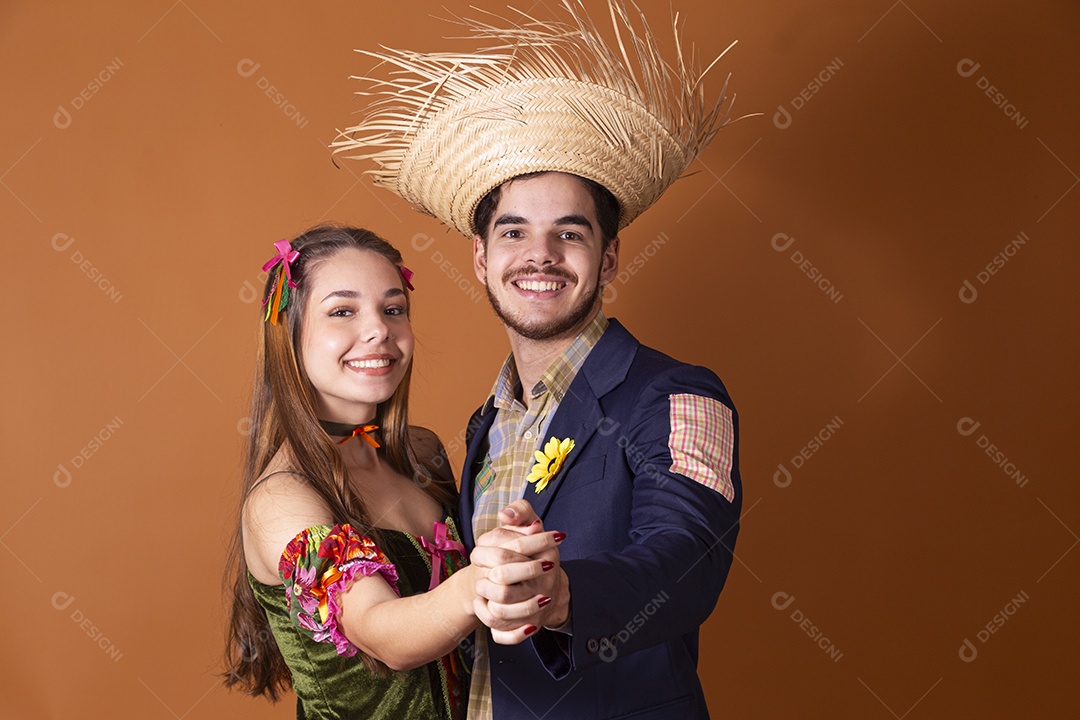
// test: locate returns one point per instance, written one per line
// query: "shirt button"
(528, 434)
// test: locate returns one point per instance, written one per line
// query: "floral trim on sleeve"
(317, 566)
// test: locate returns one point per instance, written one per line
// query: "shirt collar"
(558, 376)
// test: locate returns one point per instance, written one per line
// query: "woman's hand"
(523, 588)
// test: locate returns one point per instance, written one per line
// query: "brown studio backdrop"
(908, 415)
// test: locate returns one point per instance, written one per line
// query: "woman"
(350, 577)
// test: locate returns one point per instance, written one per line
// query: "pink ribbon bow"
(286, 255)
(406, 275)
(438, 549)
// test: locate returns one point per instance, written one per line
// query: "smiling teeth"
(538, 286)
(380, 363)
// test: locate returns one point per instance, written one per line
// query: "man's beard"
(555, 327)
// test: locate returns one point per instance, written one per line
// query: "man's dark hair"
(607, 208)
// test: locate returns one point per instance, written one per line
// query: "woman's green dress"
(330, 679)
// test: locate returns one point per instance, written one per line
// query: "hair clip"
(278, 297)
(407, 276)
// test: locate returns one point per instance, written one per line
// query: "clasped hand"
(522, 587)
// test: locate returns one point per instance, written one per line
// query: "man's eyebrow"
(508, 220)
(574, 220)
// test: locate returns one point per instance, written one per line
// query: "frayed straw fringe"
(636, 93)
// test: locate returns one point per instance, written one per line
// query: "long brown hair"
(283, 415)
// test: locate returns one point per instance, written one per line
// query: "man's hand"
(524, 588)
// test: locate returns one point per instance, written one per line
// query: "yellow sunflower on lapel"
(549, 462)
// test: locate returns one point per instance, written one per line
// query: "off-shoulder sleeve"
(317, 566)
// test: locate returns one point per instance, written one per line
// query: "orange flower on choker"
(549, 462)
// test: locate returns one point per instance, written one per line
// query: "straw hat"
(446, 129)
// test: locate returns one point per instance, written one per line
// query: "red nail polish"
(534, 522)
(530, 630)
(559, 537)
(546, 565)
(543, 601)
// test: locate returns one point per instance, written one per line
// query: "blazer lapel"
(477, 434)
(577, 418)
(579, 414)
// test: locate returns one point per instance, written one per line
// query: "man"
(648, 497)
(542, 149)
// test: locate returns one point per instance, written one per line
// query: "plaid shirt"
(517, 433)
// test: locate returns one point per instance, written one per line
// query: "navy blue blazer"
(647, 549)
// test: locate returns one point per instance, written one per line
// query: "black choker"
(348, 432)
(336, 429)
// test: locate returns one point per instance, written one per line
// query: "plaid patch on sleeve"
(702, 441)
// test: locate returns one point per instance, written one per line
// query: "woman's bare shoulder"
(281, 504)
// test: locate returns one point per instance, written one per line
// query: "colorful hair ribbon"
(279, 294)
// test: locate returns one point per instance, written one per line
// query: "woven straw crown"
(446, 129)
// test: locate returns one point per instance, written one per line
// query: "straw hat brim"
(559, 125)
(446, 129)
